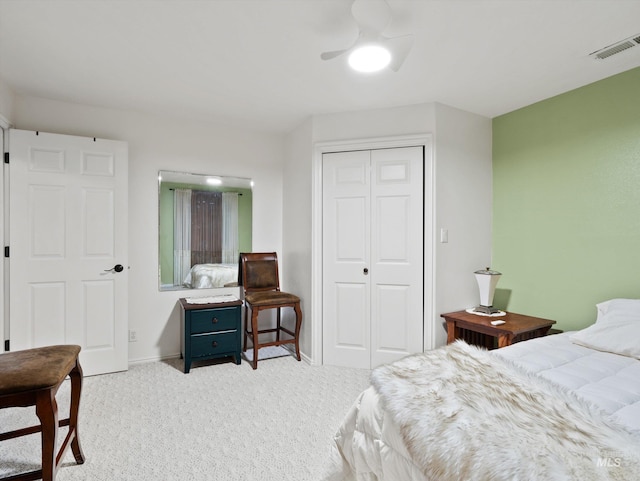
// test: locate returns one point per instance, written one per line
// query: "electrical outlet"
(133, 335)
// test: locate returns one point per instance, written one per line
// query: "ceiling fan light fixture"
(369, 58)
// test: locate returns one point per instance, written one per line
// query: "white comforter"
(371, 446)
(609, 381)
(203, 276)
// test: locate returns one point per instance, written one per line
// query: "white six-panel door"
(346, 291)
(372, 256)
(68, 228)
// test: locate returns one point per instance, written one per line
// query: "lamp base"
(486, 309)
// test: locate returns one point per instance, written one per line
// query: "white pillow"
(611, 334)
(618, 309)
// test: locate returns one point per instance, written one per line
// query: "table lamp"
(487, 280)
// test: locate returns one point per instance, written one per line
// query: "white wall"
(160, 143)
(296, 242)
(412, 119)
(463, 199)
(6, 102)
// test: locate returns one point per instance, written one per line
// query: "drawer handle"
(214, 320)
(214, 343)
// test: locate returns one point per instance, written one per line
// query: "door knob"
(116, 268)
(366, 271)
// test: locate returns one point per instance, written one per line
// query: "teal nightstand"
(210, 331)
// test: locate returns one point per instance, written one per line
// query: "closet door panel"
(392, 302)
(396, 253)
(346, 230)
(350, 316)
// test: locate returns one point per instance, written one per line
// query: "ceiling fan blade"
(336, 53)
(400, 48)
(333, 54)
(372, 16)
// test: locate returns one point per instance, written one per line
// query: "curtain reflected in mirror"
(204, 223)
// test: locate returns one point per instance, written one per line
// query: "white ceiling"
(256, 63)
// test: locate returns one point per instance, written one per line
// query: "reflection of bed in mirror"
(203, 276)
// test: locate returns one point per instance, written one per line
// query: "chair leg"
(47, 412)
(246, 327)
(298, 325)
(278, 325)
(254, 331)
(76, 390)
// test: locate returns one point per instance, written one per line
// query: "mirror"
(204, 223)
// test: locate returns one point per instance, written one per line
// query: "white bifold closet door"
(68, 230)
(372, 256)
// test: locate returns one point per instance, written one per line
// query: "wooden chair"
(258, 274)
(32, 378)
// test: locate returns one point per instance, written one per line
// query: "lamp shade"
(487, 281)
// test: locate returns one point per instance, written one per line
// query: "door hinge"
(6, 345)
(6, 157)
(6, 251)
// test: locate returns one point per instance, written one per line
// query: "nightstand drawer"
(210, 320)
(212, 344)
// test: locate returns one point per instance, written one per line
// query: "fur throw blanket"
(466, 414)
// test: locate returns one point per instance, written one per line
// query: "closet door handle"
(365, 271)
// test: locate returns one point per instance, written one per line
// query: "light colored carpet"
(269, 352)
(219, 422)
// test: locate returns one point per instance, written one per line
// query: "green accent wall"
(245, 222)
(566, 202)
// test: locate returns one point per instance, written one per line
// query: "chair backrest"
(258, 271)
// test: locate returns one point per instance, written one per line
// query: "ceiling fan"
(372, 50)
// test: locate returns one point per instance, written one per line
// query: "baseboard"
(133, 362)
(303, 356)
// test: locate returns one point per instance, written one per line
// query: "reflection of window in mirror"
(205, 222)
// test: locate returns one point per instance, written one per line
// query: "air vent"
(616, 48)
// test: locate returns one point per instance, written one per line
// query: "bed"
(211, 275)
(560, 407)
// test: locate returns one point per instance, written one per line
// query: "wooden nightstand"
(478, 330)
(210, 331)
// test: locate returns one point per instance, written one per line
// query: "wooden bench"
(32, 378)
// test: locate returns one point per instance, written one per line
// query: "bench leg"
(47, 412)
(76, 390)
